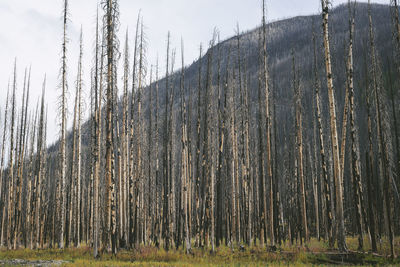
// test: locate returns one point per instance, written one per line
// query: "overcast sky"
(32, 32)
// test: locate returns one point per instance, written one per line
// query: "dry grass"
(315, 253)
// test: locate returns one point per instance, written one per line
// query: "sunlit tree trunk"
(325, 179)
(10, 207)
(98, 89)
(341, 234)
(132, 148)
(63, 130)
(111, 20)
(79, 150)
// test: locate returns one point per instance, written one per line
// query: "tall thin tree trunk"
(79, 149)
(268, 135)
(357, 184)
(334, 135)
(11, 163)
(98, 88)
(39, 168)
(383, 157)
(132, 138)
(111, 19)
(3, 184)
(299, 144)
(63, 129)
(328, 211)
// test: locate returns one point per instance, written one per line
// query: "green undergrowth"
(315, 253)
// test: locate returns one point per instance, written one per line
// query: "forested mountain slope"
(284, 38)
(194, 153)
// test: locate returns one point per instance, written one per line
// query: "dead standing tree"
(2, 183)
(299, 148)
(334, 135)
(383, 132)
(98, 96)
(11, 162)
(18, 228)
(268, 134)
(356, 168)
(111, 24)
(185, 158)
(132, 140)
(39, 170)
(63, 129)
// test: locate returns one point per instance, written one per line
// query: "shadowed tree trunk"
(382, 132)
(268, 134)
(299, 144)
(3, 184)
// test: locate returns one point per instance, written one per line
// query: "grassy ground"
(316, 253)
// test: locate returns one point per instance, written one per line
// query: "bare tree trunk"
(328, 211)
(357, 184)
(63, 129)
(111, 9)
(157, 226)
(268, 135)
(315, 174)
(3, 184)
(139, 170)
(27, 224)
(73, 165)
(11, 163)
(124, 228)
(207, 153)
(395, 126)
(299, 141)
(39, 168)
(132, 151)
(382, 138)
(150, 179)
(261, 153)
(334, 136)
(78, 150)
(171, 177)
(369, 166)
(220, 161)
(20, 163)
(185, 158)
(98, 88)
(234, 164)
(198, 158)
(166, 195)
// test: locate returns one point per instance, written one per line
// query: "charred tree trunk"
(63, 130)
(268, 134)
(341, 237)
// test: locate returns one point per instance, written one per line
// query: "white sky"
(32, 32)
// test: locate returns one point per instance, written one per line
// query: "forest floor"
(315, 253)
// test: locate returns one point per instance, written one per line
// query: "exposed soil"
(35, 263)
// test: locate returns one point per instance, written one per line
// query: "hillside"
(293, 34)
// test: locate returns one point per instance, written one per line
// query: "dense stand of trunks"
(197, 164)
